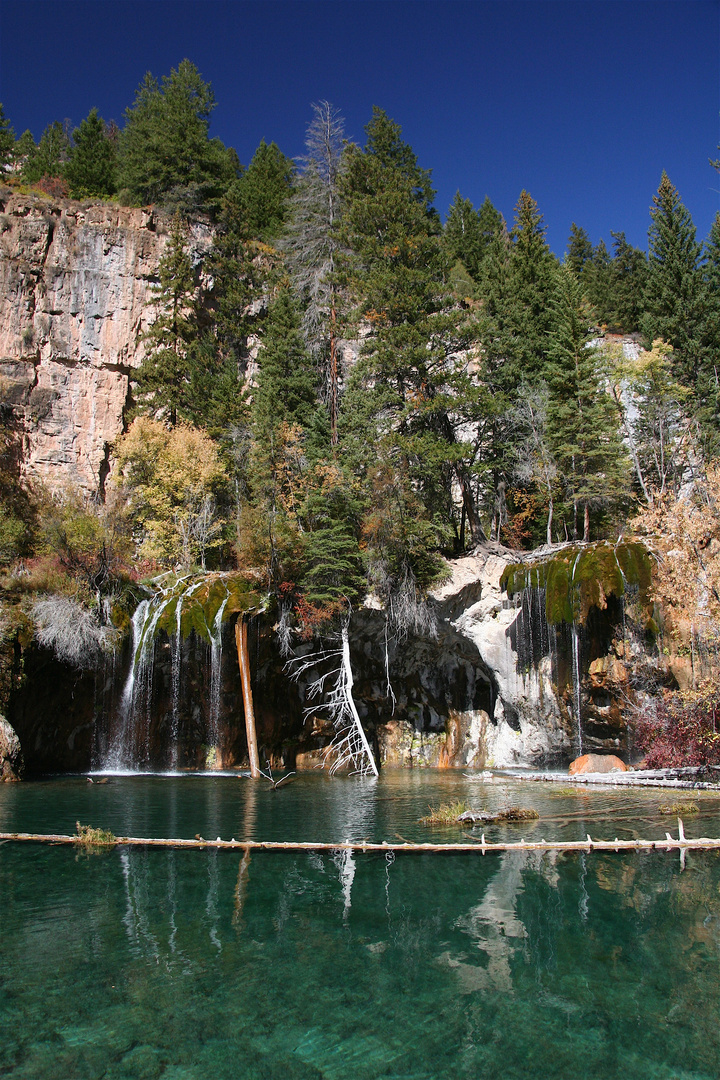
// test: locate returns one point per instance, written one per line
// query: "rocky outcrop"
(75, 281)
(11, 761)
(527, 723)
(596, 763)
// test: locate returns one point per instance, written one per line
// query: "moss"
(581, 577)
(202, 597)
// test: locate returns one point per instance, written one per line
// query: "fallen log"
(682, 843)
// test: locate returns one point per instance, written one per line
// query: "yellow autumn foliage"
(172, 478)
(683, 531)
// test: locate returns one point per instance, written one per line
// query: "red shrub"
(54, 186)
(681, 728)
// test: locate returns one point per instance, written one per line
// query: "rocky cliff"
(75, 281)
(493, 684)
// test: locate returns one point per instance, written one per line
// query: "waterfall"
(576, 663)
(215, 680)
(576, 685)
(129, 749)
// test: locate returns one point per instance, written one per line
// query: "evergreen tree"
(673, 293)
(286, 381)
(164, 374)
(579, 250)
(24, 147)
(597, 283)
(582, 425)
(462, 235)
(49, 156)
(628, 277)
(286, 440)
(708, 383)
(166, 155)
(313, 244)
(91, 166)
(7, 141)
(240, 272)
(262, 192)
(530, 290)
(405, 387)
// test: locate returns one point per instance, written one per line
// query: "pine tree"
(708, 382)
(164, 374)
(166, 155)
(91, 166)
(462, 235)
(628, 276)
(313, 244)
(49, 156)
(579, 250)
(262, 193)
(286, 440)
(286, 380)
(673, 294)
(24, 148)
(405, 384)
(530, 289)
(597, 283)
(7, 141)
(582, 424)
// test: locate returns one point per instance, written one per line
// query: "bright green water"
(196, 964)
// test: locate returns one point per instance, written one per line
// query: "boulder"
(11, 761)
(597, 763)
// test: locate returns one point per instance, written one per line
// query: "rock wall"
(75, 281)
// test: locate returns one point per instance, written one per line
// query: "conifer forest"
(346, 387)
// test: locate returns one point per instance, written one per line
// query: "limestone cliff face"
(75, 283)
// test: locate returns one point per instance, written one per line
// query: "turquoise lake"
(203, 964)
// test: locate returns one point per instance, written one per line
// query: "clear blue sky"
(582, 103)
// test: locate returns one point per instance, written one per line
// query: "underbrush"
(680, 728)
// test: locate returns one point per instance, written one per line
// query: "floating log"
(244, 662)
(480, 846)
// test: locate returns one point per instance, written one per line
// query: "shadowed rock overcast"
(582, 104)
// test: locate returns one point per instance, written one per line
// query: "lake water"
(203, 964)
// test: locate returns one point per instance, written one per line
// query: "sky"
(582, 103)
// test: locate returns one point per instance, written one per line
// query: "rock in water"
(11, 761)
(597, 763)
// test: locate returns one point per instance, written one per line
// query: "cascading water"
(576, 664)
(130, 748)
(215, 679)
(147, 730)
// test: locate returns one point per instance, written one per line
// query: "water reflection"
(204, 963)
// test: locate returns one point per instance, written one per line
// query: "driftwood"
(689, 777)
(480, 846)
(244, 662)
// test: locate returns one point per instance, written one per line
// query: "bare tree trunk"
(476, 530)
(347, 677)
(549, 522)
(586, 523)
(244, 662)
(333, 378)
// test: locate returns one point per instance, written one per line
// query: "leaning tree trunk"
(244, 662)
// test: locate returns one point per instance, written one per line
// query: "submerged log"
(244, 662)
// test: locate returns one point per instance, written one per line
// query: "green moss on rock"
(201, 599)
(581, 577)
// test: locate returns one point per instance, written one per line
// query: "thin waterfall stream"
(149, 727)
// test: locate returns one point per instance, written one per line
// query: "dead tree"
(350, 747)
(244, 662)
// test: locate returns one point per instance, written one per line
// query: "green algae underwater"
(205, 964)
